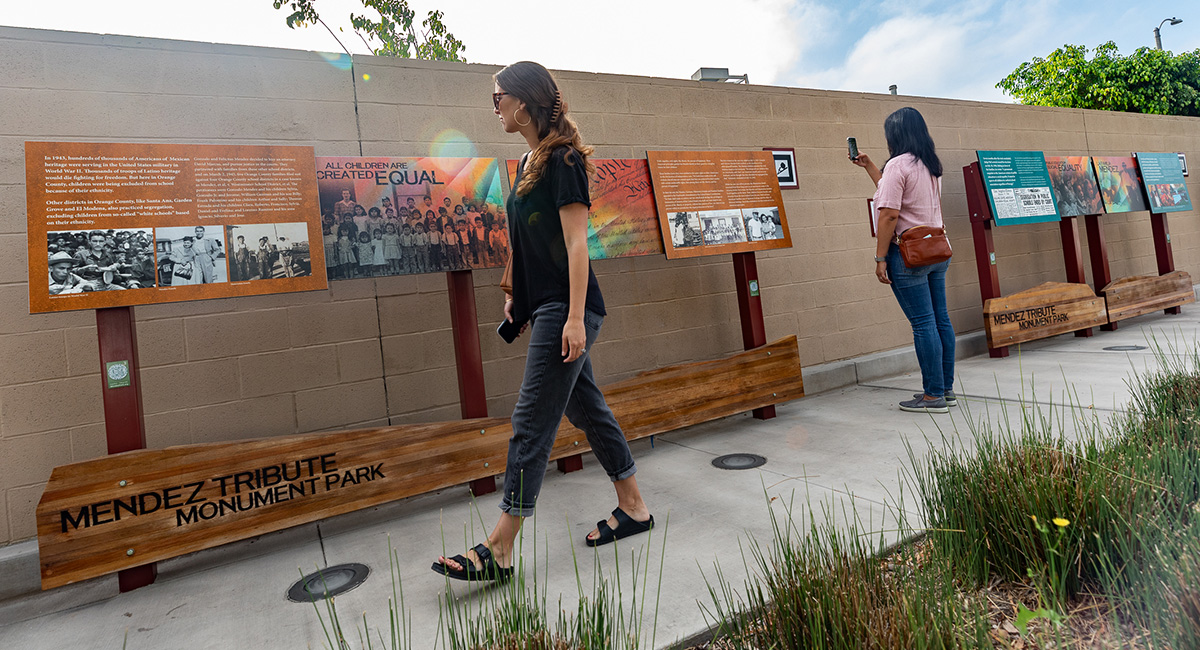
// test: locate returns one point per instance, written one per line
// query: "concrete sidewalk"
(823, 448)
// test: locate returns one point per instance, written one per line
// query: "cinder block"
(630, 129)
(169, 429)
(359, 361)
(17, 319)
(340, 406)
(699, 101)
(5, 535)
(49, 405)
(14, 258)
(34, 356)
(234, 334)
(333, 322)
(244, 419)
(396, 84)
(88, 442)
(420, 351)
(595, 97)
(12, 212)
(160, 342)
(647, 99)
(29, 458)
(288, 371)
(421, 390)
(82, 351)
(188, 385)
(413, 313)
(22, 509)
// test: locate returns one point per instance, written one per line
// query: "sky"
(932, 48)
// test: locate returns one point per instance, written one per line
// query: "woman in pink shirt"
(909, 193)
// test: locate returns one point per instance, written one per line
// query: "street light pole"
(1158, 37)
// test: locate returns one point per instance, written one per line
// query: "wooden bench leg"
(570, 464)
(482, 486)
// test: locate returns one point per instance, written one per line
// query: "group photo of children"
(100, 260)
(424, 233)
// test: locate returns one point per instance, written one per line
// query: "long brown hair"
(533, 84)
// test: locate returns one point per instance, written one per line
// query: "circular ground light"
(738, 461)
(1125, 348)
(328, 582)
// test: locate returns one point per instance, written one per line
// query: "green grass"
(617, 611)
(826, 587)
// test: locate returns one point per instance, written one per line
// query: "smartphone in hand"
(509, 331)
(852, 147)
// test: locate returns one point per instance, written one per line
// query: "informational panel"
(1074, 185)
(118, 224)
(1120, 186)
(622, 221)
(714, 202)
(1018, 187)
(398, 216)
(1165, 186)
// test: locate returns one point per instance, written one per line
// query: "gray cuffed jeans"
(550, 390)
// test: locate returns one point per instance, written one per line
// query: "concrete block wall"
(369, 352)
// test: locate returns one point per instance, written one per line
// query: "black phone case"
(508, 330)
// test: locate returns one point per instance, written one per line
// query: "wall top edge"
(366, 60)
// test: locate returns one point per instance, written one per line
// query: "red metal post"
(1162, 250)
(1098, 251)
(754, 331)
(985, 250)
(464, 323)
(121, 386)
(1068, 228)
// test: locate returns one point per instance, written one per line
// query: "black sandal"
(626, 526)
(489, 571)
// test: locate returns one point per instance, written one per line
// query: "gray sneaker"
(951, 400)
(921, 405)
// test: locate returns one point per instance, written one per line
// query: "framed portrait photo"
(785, 167)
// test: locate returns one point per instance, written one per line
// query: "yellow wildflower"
(1060, 522)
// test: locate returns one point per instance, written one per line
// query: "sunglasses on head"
(496, 99)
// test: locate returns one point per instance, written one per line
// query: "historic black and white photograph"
(190, 255)
(785, 168)
(762, 223)
(100, 260)
(722, 227)
(685, 230)
(266, 251)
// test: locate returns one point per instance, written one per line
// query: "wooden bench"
(1145, 294)
(125, 510)
(1046, 310)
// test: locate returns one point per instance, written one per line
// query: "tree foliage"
(393, 34)
(1148, 81)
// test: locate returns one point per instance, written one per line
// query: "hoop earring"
(527, 122)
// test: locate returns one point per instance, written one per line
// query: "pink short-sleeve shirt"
(908, 186)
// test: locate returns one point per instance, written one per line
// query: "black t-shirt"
(539, 252)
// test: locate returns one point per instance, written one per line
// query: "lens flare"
(452, 143)
(339, 61)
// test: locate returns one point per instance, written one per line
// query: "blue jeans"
(921, 293)
(550, 390)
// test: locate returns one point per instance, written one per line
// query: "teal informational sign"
(1163, 178)
(1018, 187)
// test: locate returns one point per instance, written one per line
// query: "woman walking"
(554, 289)
(909, 193)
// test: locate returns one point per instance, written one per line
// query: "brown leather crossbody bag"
(924, 245)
